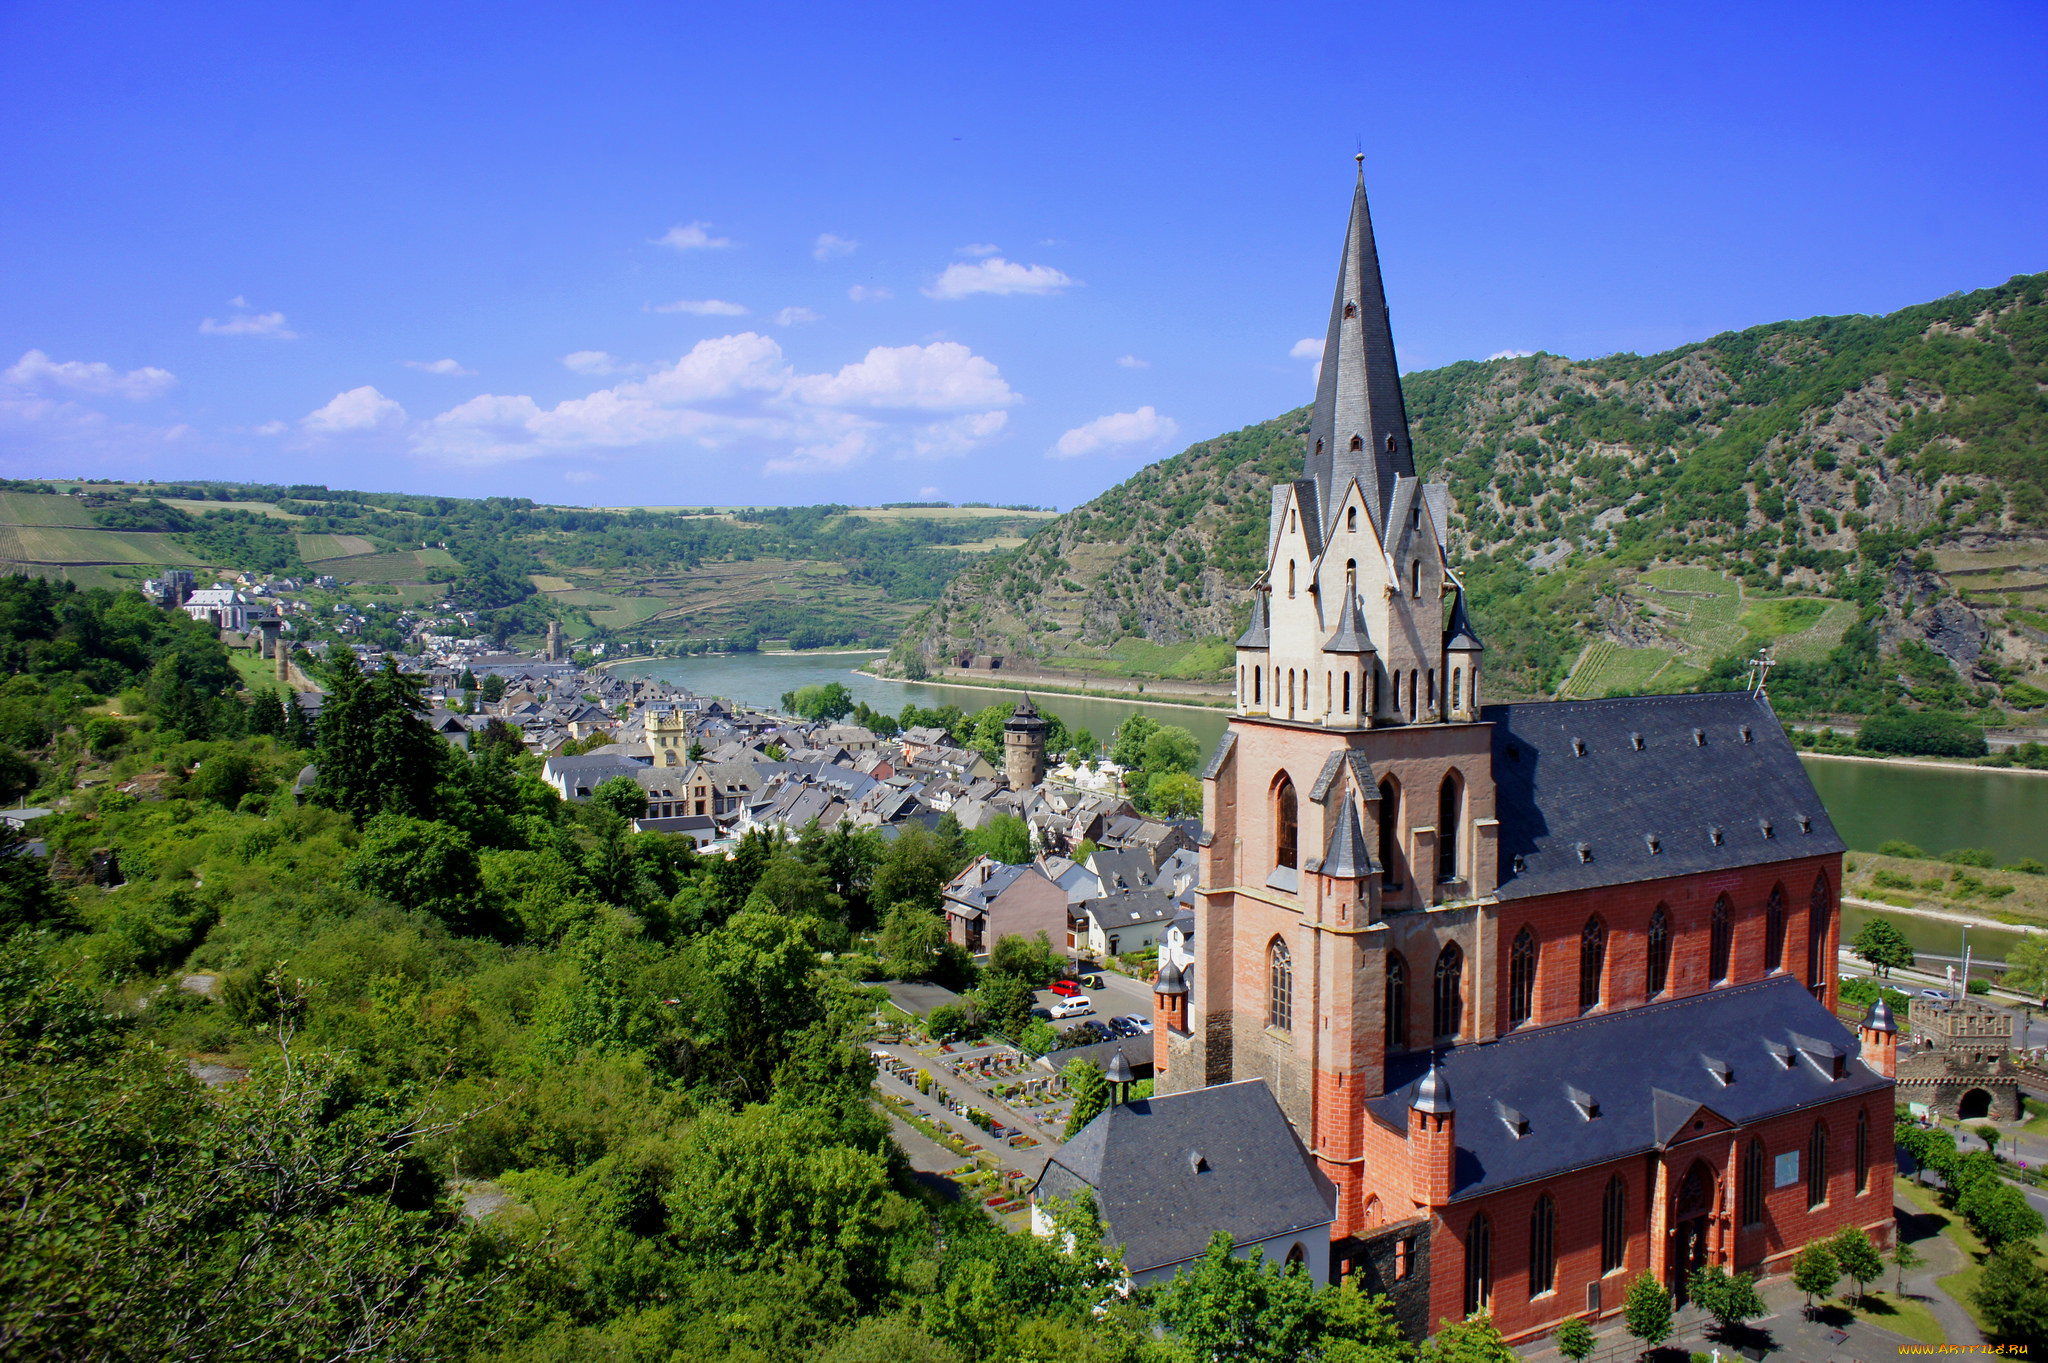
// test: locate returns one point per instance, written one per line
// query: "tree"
(1127, 750)
(1999, 1213)
(1170, 748)
(494, 688)
(831, 701)
(1035, 960)
(27, 898)
(1176, 794)
(2026, 964)
(1729, 1298)
(375, 752)
(1988, 1134)
(2013, 1295)
(1005, 838)
(1905, 1258)
(1857, 1258)
(1091, 1094)
(417, 864)
(1815, 1272)
(910, 940)
(1575, 1339)
(1227, 1308)
(914, 869)
(621, 795)
(1646, 1311)
(1473, 1340)
(1883, 946)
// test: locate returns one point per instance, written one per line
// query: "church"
(1543, 991)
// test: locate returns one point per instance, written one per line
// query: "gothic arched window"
(1817, 1166)
(1543, 1247)
(1659, 950)
(1415, 579)
(1449, 1011)
(1817, 920)
(1449, 818)
(1457, 688)
(1522, 978)
(1614, 1226)
(1397, 1000)
(1753, 1183)
(1478, 1264)
(1592, 962)
(1774, 930)
(1286, 814)
(1390, 806)
(1280, 976)
(1722, 941)
(1351, 519)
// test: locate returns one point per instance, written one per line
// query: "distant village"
(1104, 879)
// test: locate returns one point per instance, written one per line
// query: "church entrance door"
(1689, 1216)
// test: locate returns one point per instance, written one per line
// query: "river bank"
(1021, 686)
(1922, 763)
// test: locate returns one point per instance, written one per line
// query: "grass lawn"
(1959, 1285)
(258, 673)
(1905, 1315)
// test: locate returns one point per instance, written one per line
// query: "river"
(1870, 803)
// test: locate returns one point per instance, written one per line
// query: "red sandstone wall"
(1787, 1227)
(1558, 921)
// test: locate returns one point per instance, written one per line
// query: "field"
(199, 508)
(35, 508)
(403, 566)
(316, 548)
(1607, 667)
(43, 544)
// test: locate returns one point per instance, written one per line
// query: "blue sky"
(687, 254)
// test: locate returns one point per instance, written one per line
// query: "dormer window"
(1578, 747)
(1746, 734)
(1517, 1124)
(1357, 442)
(1583, 1101)
(1350, 308)
(1714, 836)
(1723, 1075)
(1805, 822)
(1585, 851)
(1636, 742)
(1390, 444)
(1699, 738)
(1198, 1162)
(1764, 826)
(1655, 843)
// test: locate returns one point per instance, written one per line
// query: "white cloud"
(980, 248)
(702, 307)
(943, 375)
(795, 317)
(592, 362)
(695, 236)
(998, 276)
(451, 368)
(268, 325)
(37, 370)
(927, 492)
(741, 392)
(272, 428)
(1133, 362)
(829, 246)
(581, 476)
(1115, 432)
(861, 293)
(1510, 354)
(1307, 348)
(357, 410)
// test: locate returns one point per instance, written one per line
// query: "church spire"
(1360, 426)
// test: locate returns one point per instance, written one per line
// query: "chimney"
(1432, 1140)
(1880, 1039)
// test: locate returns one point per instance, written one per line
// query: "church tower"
(1349, 850)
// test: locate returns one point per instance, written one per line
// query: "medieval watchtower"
(1024, 746)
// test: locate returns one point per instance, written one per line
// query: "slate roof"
(1346, 857)
(1141, 1159)
(1258, 634)
(1351, 635)
(1609, 792)
(1647, 1071)
(1131, 908)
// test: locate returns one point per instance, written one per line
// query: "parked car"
(1083, 1034)
(1065, 988)
(1119, 1027)
(1073, 1006)
(1092, 981)
(1042, 1014)
(1938, 995)
(1142, 1024)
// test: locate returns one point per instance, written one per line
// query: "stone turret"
(1169, 1010)
(1433, 1140)
(1880, 1037)
(1024, 746)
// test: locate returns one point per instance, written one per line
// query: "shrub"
(1921, 733)
(1905, 851)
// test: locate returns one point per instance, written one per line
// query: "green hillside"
(1840, 487)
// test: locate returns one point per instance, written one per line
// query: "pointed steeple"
(1358, 400)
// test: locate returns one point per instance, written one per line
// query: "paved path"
(1944, 1256)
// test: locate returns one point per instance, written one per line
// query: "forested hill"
(1791, 463)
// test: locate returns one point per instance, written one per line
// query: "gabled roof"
(1169, 1171)
(1645, 1076)
(1611, 792)
(1131, 909)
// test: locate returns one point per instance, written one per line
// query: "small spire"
(1433, 1094)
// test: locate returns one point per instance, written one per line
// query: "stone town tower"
(1024, 746)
